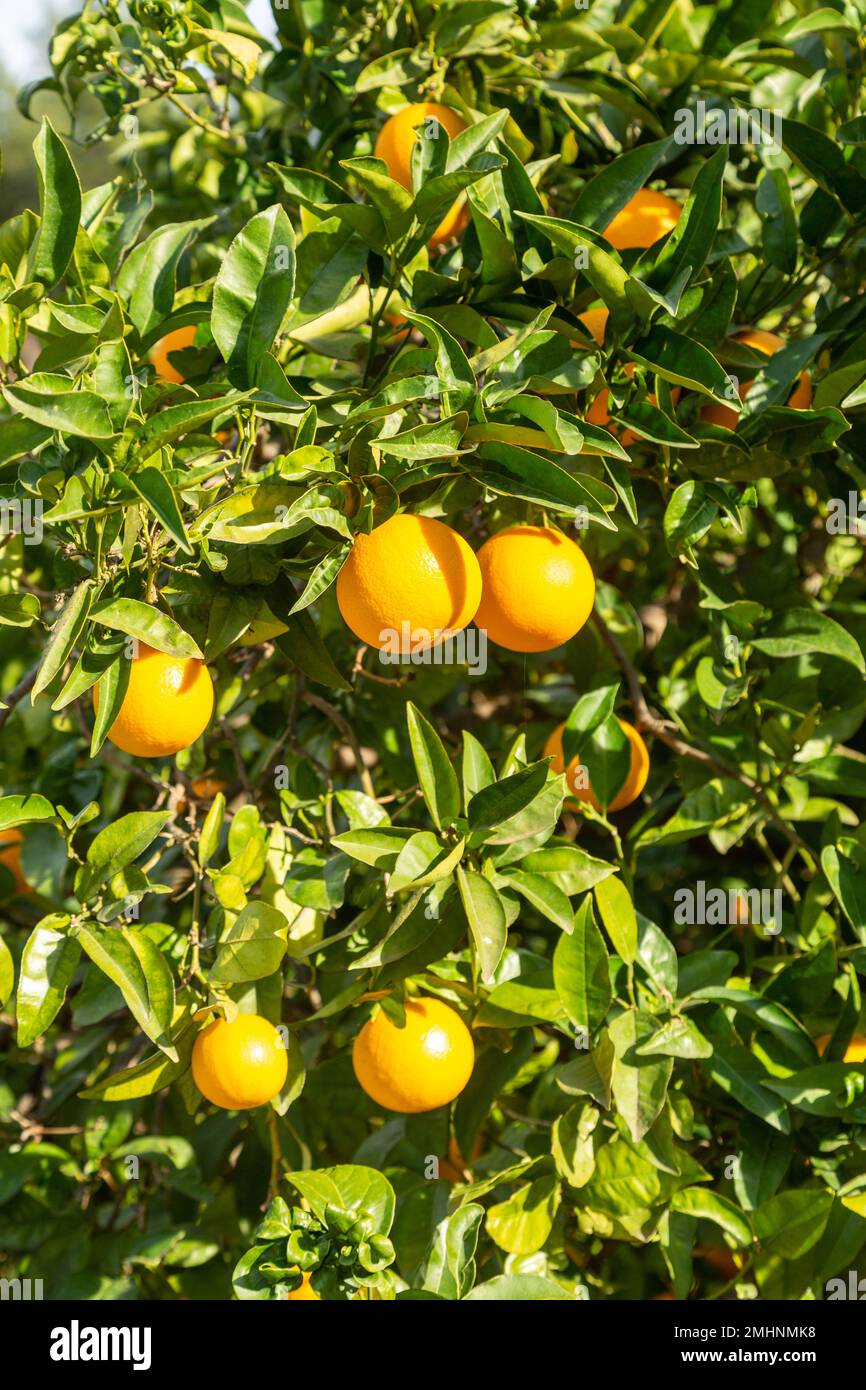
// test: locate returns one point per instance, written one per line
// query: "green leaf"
(64, 635)
(712, 1206)
(146, 624)
(21, 810)
(684, 362)
(141, 973)
(253, 947)
(47, 965)
(476, 768)
(522, 1223)
(252, 292)
(60, 206)
(518, 1288)
(796, 631)
(580, 971)
(436, 775)
(7, 973)
(147, 279)
(544, 895)
(486, 917)
(49, 400)
(118, 845)
(493, 805)
(356, 1190)
(158, 495)
(618, 915)
(790, 1223)
(638, 1090)
(450, 1270)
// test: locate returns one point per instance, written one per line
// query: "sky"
(23, 42)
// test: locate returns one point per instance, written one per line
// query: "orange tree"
(349, 949)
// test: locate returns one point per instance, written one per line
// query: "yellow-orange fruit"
(855, 1051)
(241, 1064)
(395, 142)
(452, 1168)
(304, 1293)
(645, 218)
(167, 705)
(206, 788)
(176, 341)
(419, 1067)
(537, 588)
(768, 343)
(595, 322)
(631, 787)
(10, 855)
(407, 583)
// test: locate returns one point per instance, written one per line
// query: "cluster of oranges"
(419, 1066)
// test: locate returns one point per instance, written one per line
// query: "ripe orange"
(768, 343)
(304, 1293)
(633, 784)
(394, 145)
(595, 322)
(855, 1052)
(419, 1067)
(240, 1064)
(206, 788)
(538, 589)
(452, 1168)
(720, 1259)
(176, 341)
(167, 704)
(645, 218)
(410, 571)
(10, 855)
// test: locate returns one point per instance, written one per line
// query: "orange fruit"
(407, 581)
(10, 855)
(167, 705)
(206, 788)
(394, 145)
(175, 341)
(240, 1064)
(452, 1168)
(855, 1051)
(631, 787)
(537, 588)
(419, 1067)
(720, 1259)
(645, 218)
(768, 343)
(304, 1293)
(595, 322)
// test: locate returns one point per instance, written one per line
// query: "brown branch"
(24, 686)
(648, 722)
(348, 733)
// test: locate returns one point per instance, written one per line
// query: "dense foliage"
(648, 1098)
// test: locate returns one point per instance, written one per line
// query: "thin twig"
(348, 733)
(24, 686)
